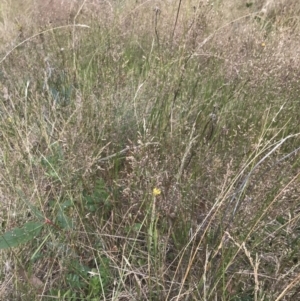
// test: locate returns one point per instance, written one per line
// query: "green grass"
(94, 118)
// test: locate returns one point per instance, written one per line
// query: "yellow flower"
(156, 191)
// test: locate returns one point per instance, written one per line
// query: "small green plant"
(85, 282)
(62, 219)
(98, 199)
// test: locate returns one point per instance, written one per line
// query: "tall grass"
(156, 152)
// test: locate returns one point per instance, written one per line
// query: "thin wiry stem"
(178, 10)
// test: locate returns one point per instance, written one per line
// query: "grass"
(150, 154)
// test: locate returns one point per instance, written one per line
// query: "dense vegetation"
(150, 151)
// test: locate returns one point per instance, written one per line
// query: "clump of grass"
(150, 161)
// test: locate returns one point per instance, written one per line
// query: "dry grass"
(198, 101)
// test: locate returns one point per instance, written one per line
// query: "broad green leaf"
(64, 221)
(19, 236)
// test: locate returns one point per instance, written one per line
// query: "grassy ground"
(150, 151)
